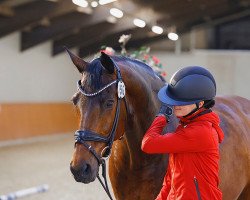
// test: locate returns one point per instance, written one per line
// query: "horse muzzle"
(84, 174)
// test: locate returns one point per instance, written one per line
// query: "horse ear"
(107, 63)
(78, 62)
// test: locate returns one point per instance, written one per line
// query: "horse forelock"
(92, 75)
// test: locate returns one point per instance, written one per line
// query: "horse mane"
(139, 63)
(95, 69)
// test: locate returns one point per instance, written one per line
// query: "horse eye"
(109, 103)
(75, 98)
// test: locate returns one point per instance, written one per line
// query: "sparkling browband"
(95, 93)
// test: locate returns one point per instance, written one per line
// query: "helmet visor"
(167, 98)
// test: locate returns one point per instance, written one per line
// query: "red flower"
(155, 59)
(108, 51)
(164, 74)
(146, 57)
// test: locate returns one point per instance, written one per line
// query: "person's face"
(181, 111)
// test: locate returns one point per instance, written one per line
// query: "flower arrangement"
(154, 62)
(142, 54)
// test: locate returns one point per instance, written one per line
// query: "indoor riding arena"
(46, 47)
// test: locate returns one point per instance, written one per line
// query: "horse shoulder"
(235, 149)
(234, 112)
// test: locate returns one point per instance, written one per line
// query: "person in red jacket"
(193, 148)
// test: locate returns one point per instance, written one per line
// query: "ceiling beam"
(111, 41)
(33, 12)
(6, 11)
(145, 40)
(213, 15)
(92, 34)
(24, 15)
(15, 2)
(229, 17)
(62, 26)
(183, 19)
(85, 34)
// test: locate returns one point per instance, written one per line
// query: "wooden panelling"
(36, 119)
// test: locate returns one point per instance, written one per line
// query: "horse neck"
(142, 105)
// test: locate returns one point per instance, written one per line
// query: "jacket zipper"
(197, 188)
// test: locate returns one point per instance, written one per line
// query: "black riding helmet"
(189, 85)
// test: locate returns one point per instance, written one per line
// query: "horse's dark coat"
(133, 174)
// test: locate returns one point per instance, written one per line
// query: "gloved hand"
(166, 111)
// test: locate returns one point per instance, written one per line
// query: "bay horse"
(135, 175)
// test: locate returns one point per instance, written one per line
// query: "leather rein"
(82, 136)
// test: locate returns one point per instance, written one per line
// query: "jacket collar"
(198, 113)
(205, 115)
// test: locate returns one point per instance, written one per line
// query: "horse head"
(99, 100)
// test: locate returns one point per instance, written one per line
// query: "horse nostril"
(81, 173)
(86, 169)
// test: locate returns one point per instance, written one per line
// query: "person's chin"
(178, 114)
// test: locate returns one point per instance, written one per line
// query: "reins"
(105, 184)
(82, 136)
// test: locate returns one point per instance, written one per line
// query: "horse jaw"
(78, 62)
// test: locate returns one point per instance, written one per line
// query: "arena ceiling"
(87, 29)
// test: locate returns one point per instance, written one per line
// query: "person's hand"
(166, 111)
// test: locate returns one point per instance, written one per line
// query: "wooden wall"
(23, 120)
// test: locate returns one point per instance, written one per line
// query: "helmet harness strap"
(194, 110)
(198, 108)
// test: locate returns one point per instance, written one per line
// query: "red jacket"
(193, 155)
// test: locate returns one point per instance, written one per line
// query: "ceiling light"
(116, 12)
(82, 3)
(87, 10)
(111, 19)
(94, 4)
(157, 29)
(140, 23)
(173, 36)
(103, 2)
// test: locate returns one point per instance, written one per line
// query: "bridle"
(82, 136)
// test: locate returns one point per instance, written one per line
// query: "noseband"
(82, 136)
